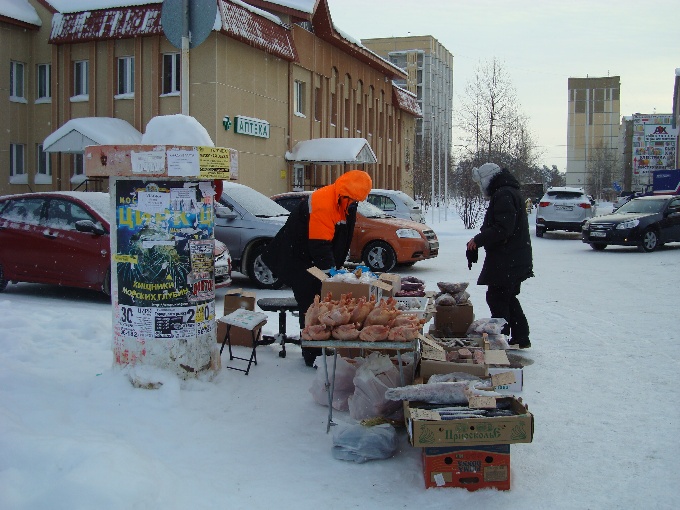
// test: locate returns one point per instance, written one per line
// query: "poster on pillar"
(165, 251)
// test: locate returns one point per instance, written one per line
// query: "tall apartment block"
(429, 67)
(593, 123)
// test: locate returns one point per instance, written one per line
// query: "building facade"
(267, 77)
(429, 69)
(593, 124)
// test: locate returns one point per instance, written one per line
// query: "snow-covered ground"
(75, 434)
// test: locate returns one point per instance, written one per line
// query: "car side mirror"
(225, 213)
(88, 226)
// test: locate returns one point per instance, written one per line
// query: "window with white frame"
(80, 78)
(16, 81)
(171, 73)
(299, 98)
(16, 159)
(44, 162)
(126, 76)
(44, 82)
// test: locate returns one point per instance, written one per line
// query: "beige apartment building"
(268, 77)
(593, 123)
(429, 69)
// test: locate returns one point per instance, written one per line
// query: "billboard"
(654, 143)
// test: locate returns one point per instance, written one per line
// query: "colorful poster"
(654, 143)
(156, 223)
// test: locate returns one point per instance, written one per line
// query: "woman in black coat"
(504, 235)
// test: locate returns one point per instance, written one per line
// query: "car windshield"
(370, 211)
(255, 202)
(642, 206)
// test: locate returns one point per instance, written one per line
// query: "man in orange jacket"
(317, 233)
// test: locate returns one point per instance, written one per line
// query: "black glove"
(472, 257)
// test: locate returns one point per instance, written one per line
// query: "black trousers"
(305, 287)
(503, 303)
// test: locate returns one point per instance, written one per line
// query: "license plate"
(219, 271)
(564, 207)
(598, 234)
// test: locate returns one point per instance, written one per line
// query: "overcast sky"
(541, 45)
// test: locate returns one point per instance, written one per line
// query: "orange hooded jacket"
(326, 207)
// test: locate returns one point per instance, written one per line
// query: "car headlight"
(626, 225)
(408, 233)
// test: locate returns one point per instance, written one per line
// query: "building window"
(317, 104)
(16, 81)
(80, 78)
(44, 82)
(126, 76)
(16, 159)
(348, 113)
(334, 110)
(299, 98)
(44, 163)
(171, 73)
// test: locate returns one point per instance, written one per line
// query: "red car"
(62, 238)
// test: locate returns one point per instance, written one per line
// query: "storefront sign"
(654, 143)
(252, 127)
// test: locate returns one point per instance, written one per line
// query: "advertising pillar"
(162, 253)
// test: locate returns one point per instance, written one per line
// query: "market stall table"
(340, 344)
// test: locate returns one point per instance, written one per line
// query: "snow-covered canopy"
(332, 151)
(76, 134)
(176, 130)
(20, 10)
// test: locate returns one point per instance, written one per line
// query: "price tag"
(503, 379)
(425, 414)
(479, 402)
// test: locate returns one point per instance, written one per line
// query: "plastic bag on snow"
(344, 384)
(360, 444)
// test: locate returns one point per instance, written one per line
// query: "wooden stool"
(248, 320)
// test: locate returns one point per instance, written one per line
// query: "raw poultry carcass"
(335, 316)
(406, 319)
(316, 332)
(402, 334)
(345, 332)
(361, 310)
(317, 307)
(374, 333)
(383, 314)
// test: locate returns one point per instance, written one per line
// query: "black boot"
(310, 354)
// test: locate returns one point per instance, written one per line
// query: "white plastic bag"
(344, 385)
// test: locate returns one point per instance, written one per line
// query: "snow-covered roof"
(65, 6)
(332, 151)
(76, 134)
(19, 10)
(176, 130)
(406, 101)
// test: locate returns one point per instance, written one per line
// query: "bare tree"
(603, 167)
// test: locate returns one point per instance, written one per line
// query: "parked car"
(625, 197)
(563, 208)
(396, 203)
(62, 238)
(380, 241)
(646, 222)
(246, 220)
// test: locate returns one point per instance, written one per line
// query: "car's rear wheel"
(650, 241)
(258, 271)
(3, 280)
(540, 231)
(598, 246)
(379, 257)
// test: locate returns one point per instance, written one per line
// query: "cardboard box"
(510, 388)
(337, 288)
(394, 280)
(468, 467)
(239, 336)
(233, 300)
(426, 429)
(433, 359)
(455, 320)
(238, 298)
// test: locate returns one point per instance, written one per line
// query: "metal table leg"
(330, 386)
